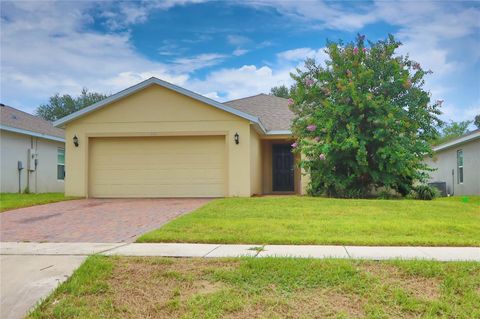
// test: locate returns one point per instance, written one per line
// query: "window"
(459, 166)
(60, 164)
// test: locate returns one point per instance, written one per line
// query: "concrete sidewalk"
(30, 271)
(26, 279)
(218, 250)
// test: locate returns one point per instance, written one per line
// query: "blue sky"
(225, 50)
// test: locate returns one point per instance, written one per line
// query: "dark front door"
(282, 166)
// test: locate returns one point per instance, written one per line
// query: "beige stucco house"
(457, 163)
(156, 139)
(31, 153)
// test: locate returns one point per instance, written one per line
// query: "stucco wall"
(267, 166)
(14, 148)
(255, 163)
(157, 111)
(305, 179)
(446, 160)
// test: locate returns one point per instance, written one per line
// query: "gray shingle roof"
(273, 111)
(12, 117)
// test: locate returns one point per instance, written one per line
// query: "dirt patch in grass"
(159, 288)
(164, 288)
(328, 302)
(308, 303)
(419, 287)
(152, 287)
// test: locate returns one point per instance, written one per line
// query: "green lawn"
(153, 287)
(451, 221)
(10, 201)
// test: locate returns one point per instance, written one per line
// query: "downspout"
(453, 182)
(28, 166)
(19, 168)
(36, 164)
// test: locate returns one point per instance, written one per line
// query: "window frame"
(460, 167)
(61, 164)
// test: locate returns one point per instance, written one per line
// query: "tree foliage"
(281, 91)
(477, 121)
(452, 130)
(363, 121)
(63, 105)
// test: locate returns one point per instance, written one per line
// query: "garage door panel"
(159, 176)
(186, 190)
(146, 160)
(157, 167)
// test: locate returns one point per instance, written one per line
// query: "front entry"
(282, 166)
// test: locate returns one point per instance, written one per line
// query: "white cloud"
(239, 52)
(323, 14)
(126, 79)
(213, 95)
(121, 14)
(238, 39)
(46, 49)
(428, 31)
(300, 54)
(451, 112)
(240, 42)
(169, 48)
(66, 62)
(190, 64)
(233, 83)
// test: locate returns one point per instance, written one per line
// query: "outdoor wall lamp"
(236, 138)
(75, 141)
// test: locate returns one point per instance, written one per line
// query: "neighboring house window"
(61, 164)
(460, 166)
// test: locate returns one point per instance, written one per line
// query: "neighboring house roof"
(154, 81)
(475, 134)
(273, 111)
(14, 120)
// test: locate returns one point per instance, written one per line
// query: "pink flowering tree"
(363, 121)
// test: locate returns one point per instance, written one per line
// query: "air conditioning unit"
(32, 156)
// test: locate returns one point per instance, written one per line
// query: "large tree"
(63, 105)
(280, 91)
(477, 121)
(363, 121)
(452, 130)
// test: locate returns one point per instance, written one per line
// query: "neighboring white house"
(32, 153)
(457, 164)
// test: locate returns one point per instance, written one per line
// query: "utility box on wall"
(32, 157)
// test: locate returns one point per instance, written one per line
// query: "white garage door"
(181, 166)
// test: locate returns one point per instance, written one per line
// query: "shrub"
(426, 192)
(386, 194)
(363, 120)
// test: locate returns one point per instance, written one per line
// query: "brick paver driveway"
(92, 220)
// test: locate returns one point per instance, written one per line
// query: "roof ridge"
(246, 97)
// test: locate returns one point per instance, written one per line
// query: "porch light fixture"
(236, 138)
(75, 141)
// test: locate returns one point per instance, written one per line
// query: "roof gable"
(154, 81)
(156, 104)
